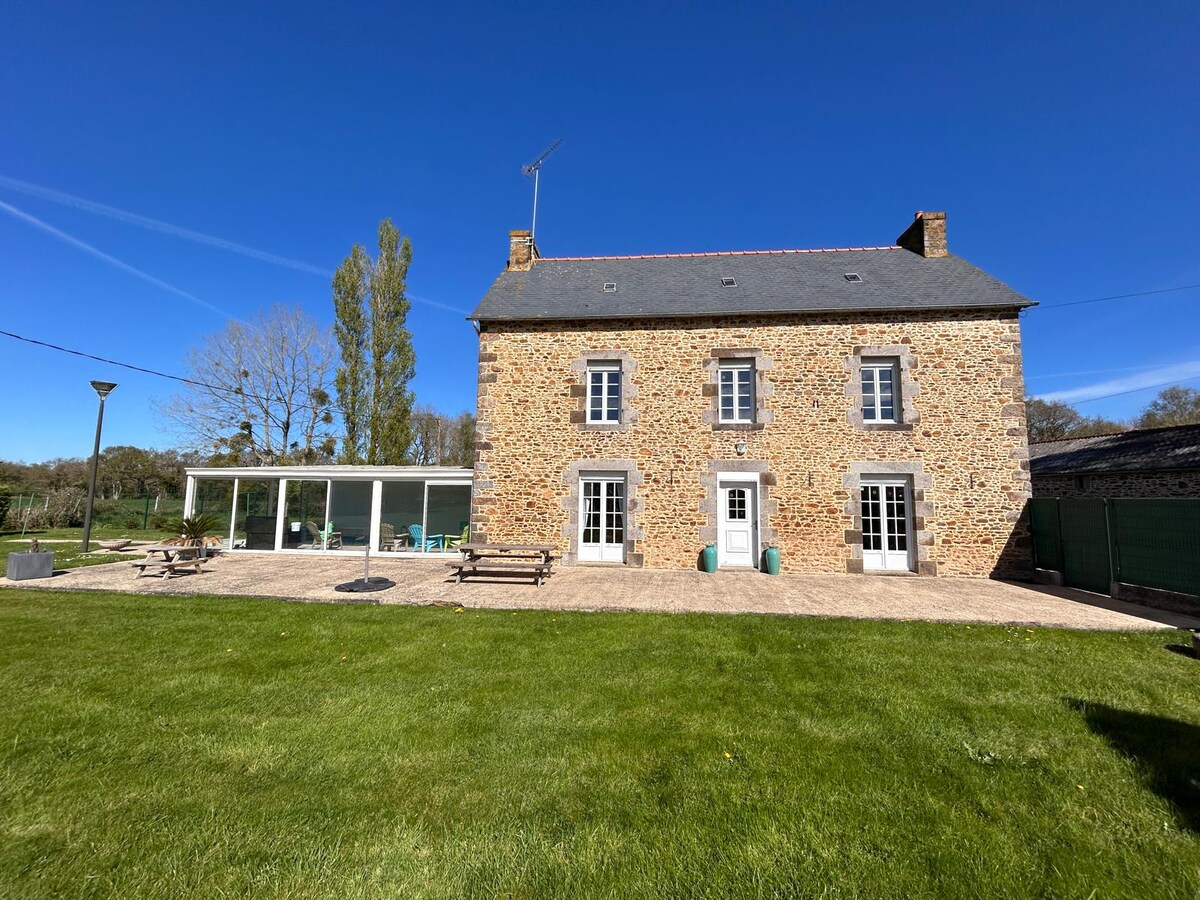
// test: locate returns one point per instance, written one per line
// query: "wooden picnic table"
(176, 559)
(534, 560)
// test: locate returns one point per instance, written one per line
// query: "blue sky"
(1060, 138)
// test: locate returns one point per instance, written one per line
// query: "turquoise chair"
(430, 542)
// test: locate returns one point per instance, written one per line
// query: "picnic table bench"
(176, 559)
(531, 560)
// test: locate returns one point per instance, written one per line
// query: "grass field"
(217, 747)
(66, 542)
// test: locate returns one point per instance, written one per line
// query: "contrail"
(111, 260)
(187, 234)
(131, 218)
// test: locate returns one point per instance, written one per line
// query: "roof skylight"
(853, 277)
(610, 287)
(728, 282)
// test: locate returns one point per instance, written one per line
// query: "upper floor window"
(604, 392)
(880, 390)
(735, 391)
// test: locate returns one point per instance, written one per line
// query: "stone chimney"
(926, 235)
(522, 251)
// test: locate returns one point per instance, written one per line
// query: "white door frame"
(884, 559)
(605, 551)
(751, 482)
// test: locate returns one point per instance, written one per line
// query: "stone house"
(860, 409)
(1149, 462)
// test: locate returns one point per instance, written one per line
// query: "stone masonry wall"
(1118, 484)
(967, 436)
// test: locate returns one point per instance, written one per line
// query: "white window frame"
(608, 370)
(735, 366)
(874, 365)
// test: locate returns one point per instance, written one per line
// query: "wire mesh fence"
(1152, 543)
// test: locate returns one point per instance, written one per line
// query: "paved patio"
(617, 588)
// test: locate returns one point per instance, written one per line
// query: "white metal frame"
(736, 392)
(873, 366)
(608, 370)
(284, 475)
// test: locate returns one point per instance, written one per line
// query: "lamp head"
(104, 388)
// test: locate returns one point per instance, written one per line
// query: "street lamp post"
(103, 388)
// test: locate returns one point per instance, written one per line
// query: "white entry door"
(737, 524)
(602, 518)
(885, 525)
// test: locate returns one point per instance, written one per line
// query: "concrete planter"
(23, 566)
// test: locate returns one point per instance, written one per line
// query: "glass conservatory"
(397, 510)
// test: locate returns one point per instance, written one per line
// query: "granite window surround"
(907, 387)
(763, 389)
(922, 511)
(579, 389)
(633, 506)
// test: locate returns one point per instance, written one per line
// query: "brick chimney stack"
(522, 251)
(926, 235)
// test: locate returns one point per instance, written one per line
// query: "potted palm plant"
(32, 563)
(192, 530)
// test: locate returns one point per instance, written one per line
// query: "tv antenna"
(532, 169)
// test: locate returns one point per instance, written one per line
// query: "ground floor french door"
(602, 518)
(886, 525)
(737, 524)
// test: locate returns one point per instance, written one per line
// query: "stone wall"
(1129, 484)
(966, 437)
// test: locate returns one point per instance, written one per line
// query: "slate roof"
(1147, 450)
(768, 281)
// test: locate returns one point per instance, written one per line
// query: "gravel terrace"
(421, 582)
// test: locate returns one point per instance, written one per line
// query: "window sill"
(738, 426)
(886, 426)
(602, 426)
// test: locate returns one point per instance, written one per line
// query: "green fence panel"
(1084, 528)
(1157, 543)
(1043, 521)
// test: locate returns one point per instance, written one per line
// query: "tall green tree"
(378, 362)
(1176, 405)
(350, 328)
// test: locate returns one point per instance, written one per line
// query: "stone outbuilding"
(860, 409)
(1149, 462)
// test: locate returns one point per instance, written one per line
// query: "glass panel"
(868, 391)
(215, 497)
(744, 395)
(591, 512)
(614, 527)
(886, 394)
(350, 514)
(254, 519)
(897, 519)
(870, 517)
(736, 505)
(305, 515)
(449, 514)
(401, 509)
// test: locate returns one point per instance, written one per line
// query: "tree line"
(279, 388)
(1055, 420)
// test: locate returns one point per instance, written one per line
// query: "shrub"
(5, 504)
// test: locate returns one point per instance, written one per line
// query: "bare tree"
(441, 440)
(263, 394)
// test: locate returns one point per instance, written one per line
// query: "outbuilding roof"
(1145, 450)
(741, 282)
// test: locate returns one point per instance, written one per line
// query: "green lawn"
(216, 747)
(68, 555)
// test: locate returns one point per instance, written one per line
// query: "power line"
(124, 365)
(1182, 287)
(1148, 387)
